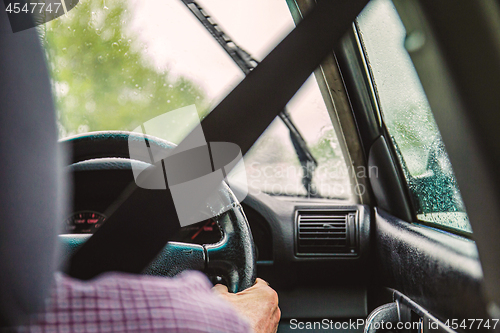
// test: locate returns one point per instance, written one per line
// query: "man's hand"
(258, 304)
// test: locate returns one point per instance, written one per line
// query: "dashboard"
(301, 275)
(88, 221)
(98, 182)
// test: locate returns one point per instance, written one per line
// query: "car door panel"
(438, 270)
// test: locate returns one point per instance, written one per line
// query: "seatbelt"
(264, 92)
(247, 63)
(130, 239)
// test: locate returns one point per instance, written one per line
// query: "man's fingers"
(220, 289)
(259, 280)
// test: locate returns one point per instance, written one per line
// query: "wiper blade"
(306, 159)
(242, 58)
(247, 63)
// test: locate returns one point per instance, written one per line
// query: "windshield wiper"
(246, 63)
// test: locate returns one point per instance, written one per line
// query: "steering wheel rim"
(233, 257)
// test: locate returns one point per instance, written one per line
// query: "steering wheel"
(233, 258)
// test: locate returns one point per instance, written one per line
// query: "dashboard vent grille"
(326, 232)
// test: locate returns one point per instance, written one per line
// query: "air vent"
(326, 232)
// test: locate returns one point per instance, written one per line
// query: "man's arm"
(118, 302)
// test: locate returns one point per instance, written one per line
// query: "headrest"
(30, 175)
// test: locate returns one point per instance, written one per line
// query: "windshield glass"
(115, 64)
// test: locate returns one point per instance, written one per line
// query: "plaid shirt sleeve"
(117, 302)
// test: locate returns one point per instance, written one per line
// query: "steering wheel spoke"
(173, 259)
(177, 257)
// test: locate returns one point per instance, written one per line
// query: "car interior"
(368, 192)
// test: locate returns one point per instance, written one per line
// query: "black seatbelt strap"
(247, 63)
(247, 111)
(131, 238)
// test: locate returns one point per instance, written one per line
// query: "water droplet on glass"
(414, 41)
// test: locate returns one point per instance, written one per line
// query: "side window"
(409, 120)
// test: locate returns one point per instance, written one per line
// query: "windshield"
(117, 64)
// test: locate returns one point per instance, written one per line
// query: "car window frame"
(329, 77)
(372, 119)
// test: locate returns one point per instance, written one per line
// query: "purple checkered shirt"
(117, 302)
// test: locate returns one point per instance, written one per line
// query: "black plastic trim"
(387, 185)
(352, 65)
